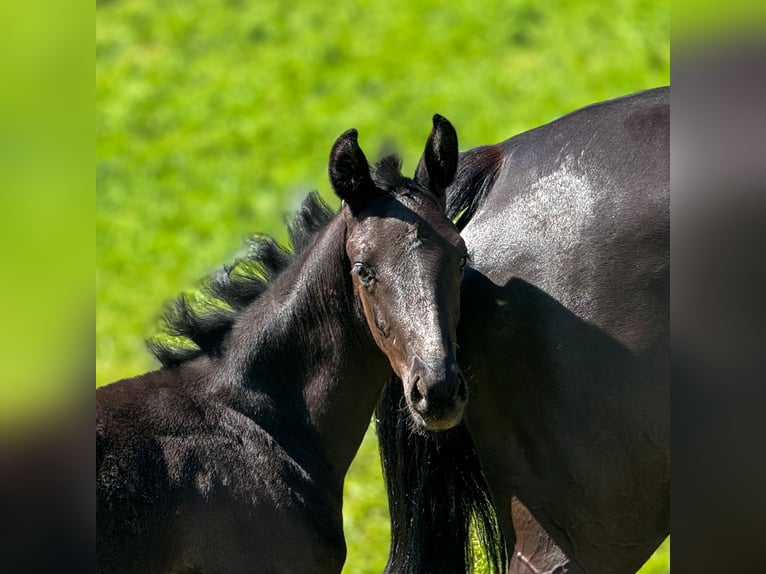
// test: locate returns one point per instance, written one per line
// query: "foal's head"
(407, 262)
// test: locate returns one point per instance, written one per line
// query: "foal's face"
(406, 259)
(407, 264)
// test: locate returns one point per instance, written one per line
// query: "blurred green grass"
(214, 118)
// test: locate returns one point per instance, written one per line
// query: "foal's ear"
(438, 164)
(349, 171)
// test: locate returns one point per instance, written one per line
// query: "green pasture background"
(213, 119)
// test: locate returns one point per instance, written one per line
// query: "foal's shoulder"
(146, 405)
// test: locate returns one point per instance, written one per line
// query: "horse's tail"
(442, 518)
(477, 172)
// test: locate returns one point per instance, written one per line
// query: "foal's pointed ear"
(349, 171)
(438, 164)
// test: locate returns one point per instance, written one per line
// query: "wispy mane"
(477, 171)
(200, 328)
(387, 173)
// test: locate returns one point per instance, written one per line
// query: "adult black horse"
(564, 338)
(232, 457)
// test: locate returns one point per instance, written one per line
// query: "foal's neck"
(306, 344)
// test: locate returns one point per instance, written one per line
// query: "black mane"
(387, 173)
(477, 171)
(200, 328)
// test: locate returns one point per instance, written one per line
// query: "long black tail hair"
(442, 517)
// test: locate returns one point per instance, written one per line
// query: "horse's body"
(565, 335)
(198, 476)
(232, 457)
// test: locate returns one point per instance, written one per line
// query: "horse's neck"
(306, 344)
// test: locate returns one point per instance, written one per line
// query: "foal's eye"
(366, 276)
(463, 261)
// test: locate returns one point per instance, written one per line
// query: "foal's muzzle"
(436, 396)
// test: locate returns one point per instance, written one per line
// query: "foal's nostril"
(418, 396)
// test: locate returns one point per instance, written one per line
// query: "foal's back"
(199, 483)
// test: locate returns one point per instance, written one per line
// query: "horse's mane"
(192, 329)
(477, 171)
(387, 173)
(195, 328)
